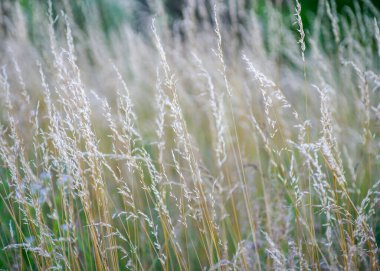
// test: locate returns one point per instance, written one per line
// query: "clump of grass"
(199, 152)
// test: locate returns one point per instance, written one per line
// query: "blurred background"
(138, 13)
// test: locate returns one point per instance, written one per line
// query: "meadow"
(231, 138)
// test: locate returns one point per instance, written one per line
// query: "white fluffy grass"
(202, 154)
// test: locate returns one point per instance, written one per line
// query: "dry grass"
(204, 154)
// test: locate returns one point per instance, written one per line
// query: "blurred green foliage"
(114, 13)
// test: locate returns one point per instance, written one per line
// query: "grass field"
(229, 139)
